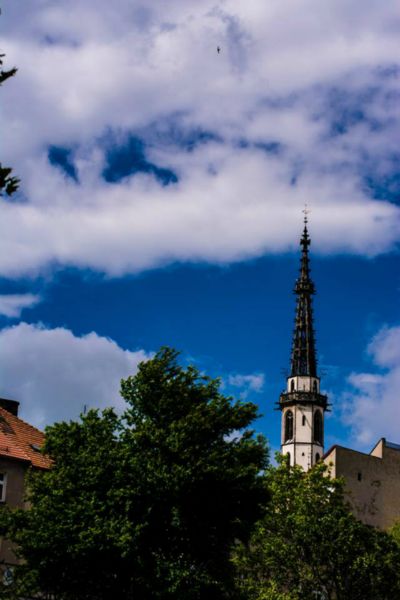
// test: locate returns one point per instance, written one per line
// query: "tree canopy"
(147, 505)
(175, 499)
(309, 545)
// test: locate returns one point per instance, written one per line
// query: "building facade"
(20, 445)
(372, 481)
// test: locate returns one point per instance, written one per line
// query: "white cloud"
(53, 373)
(11, 305)
(385, 347)
(372, 408)
(247, 383)
(243, 210)
(85, 67)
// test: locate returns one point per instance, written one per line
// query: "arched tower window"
(288, 425)
(292, 385)
(318, 433)
(315, 387)
(303, 420)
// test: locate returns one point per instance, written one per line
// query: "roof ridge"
(22, 439)
(18, 418)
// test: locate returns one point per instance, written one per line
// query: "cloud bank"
(54, 374)
(300, 105)
(372, 408)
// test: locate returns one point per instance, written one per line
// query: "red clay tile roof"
(18, 440)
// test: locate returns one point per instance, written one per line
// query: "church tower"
(302, 405)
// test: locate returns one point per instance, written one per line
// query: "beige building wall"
(15, 471)
(372, 481)
(20, 450)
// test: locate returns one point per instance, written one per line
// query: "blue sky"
(161, 198)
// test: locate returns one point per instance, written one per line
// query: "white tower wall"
(302, 447)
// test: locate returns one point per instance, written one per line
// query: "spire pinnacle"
(303, 359)
(306, 212)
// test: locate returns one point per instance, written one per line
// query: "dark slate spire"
(303, 361)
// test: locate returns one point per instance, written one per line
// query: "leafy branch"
(8, 183)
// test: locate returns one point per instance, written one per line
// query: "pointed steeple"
(303, 359)
(302, 404)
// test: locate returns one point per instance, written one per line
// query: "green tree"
(148, 505)
(71, 528)
(8, 183)
(309, 545)
(395, 532)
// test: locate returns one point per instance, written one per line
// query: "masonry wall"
(16, 471)
(372, 482)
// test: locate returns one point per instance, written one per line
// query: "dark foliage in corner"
(8, 183)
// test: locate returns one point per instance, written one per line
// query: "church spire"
(303, 359)
(302, 404)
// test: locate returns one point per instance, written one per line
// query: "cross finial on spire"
(306, 212)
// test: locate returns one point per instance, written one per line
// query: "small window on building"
(303, 420)
(292, 385)
(317, 457)
(359, 476)
(3, 482)
(315, 387)
(288, 425)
